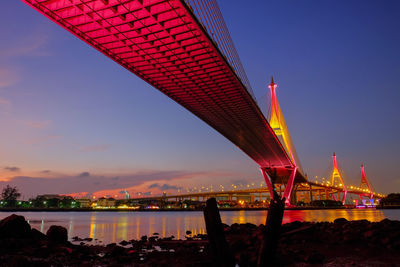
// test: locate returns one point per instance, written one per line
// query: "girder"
(162, 42)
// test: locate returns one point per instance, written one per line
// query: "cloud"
(42, 139)
(67, 184)
(5, 104)
(164, 187)
(95, 148)
(38, 124)
(30, 45)
(84, 174)
(45, 171)
(153, 186)
(12, 169)
(8, 77)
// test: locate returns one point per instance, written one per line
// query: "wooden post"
(267, 255)
(267, 252)
(216, 237)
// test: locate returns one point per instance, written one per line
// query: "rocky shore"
(341, 243)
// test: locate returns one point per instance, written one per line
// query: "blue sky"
(65, 109)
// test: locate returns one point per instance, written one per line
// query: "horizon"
(74, 121)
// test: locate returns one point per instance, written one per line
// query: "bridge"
(183, 48)
(304, 192)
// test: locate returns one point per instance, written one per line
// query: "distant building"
(52, 196)
(106, 202)
(84, 202)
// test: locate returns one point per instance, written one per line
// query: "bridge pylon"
(285, 175)
(365, 184)
(278, 125)
(273, 176)
(337, 180)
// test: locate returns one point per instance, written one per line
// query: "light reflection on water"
(117, 226)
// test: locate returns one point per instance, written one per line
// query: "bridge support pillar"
(270, 181)
(344, 196)
(289, 186)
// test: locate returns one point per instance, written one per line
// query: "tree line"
(10, 196)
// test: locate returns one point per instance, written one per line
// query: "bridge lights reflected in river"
(109, 227)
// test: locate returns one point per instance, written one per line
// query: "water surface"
(109, 227)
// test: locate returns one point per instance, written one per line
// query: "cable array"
(210, 16)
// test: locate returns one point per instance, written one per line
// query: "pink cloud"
(28, 46)
(95, 148)
(8, 77)
(5, 103)
(43, 139)
(98, 185)
(38, 124)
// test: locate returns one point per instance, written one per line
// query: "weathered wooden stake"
(218, 245)
(269, 245)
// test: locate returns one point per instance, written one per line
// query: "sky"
(75, 122)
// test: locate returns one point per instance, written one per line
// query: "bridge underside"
(163, 43)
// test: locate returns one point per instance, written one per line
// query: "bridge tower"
(365, 184)
(337, 180)
(278, 125)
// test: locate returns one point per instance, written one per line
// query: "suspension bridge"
(183, 48)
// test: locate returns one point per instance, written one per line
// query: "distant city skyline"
(73, 121)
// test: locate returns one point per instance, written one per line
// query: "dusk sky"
(74, 121)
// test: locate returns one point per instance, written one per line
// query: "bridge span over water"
(183, 49)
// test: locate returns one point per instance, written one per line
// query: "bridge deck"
(163, 43)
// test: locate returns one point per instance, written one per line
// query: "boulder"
(124, 243)
(340, 220)
(18, 261)
(37, 235)
(315, 258)
(14, 226)
(57, 234)
(369, 234)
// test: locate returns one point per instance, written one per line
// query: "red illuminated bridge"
(183, 49)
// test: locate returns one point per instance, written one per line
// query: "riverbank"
(355, 243)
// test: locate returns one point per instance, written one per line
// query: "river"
(108, 227)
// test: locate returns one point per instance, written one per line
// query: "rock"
(88, 239)
(117, 251)
(188, 232)
(37, 235)
(340, 220)
(368, 234)
(18, 261)
(124, 243)
(14, 226)
(153, 238)
(57, 234)
(315, 258)
(42, 252)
